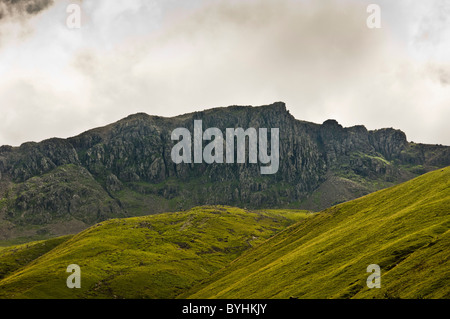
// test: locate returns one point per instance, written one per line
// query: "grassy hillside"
(15, 257)
(403, 229)
(156, 256)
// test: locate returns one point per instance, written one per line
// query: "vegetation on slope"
(63, 201)
(226, 252)
(157, 256)
(403, 229)
(15, 257)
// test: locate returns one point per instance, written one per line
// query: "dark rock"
(90, 177)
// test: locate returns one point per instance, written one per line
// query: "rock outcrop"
(125, 169)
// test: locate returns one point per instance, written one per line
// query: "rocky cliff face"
(125, 169)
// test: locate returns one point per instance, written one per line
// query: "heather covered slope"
(61, 186)
(157, 256)
(404, 229)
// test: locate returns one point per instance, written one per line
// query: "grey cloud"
(444, 76)
(439, 73)
(317, 56)
(14, 8)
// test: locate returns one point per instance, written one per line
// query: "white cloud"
(172, 57)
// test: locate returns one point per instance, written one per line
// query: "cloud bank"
(172, 57)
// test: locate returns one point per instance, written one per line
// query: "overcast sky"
(168, 57)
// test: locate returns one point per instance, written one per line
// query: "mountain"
(156, 256)
(62, 186)
(227, 252)
(404, 229)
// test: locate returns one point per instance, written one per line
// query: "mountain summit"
(61, 186)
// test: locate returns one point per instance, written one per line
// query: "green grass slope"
(157, 256)
(15, 257)
(404, 229)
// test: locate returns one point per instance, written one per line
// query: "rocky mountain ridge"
(58, 186)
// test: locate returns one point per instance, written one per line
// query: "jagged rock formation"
(125, 169)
